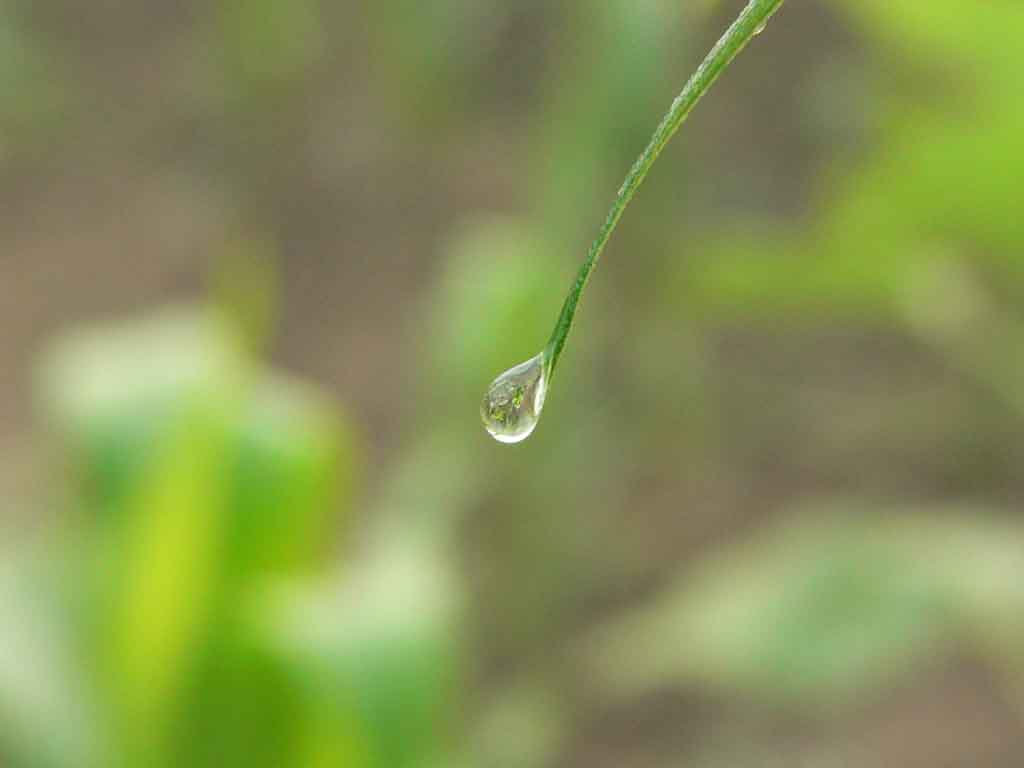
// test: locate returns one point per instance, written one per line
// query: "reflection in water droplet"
(760, 29)
(513, 402)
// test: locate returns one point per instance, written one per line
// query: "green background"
(259, 260)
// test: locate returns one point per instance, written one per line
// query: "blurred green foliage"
(841, 600)
(202, 484)
(776, 483)
(938, 183)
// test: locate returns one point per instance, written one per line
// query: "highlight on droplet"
(512, 404)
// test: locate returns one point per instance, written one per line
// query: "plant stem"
(749, 23)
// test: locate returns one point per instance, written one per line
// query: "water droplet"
(760, 28)
(512, 404)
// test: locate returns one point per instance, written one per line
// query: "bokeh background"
(259, 260)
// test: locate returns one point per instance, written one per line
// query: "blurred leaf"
(825, 608)
(110, 393)
(941, 28)
(163, 599)
(241, 708)
(46, 715)
(767, 273)
(291, 467)
(378, 652)
(939, 180)
(202, 480)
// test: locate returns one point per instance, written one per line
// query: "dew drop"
(760, 28)
(512, 404)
